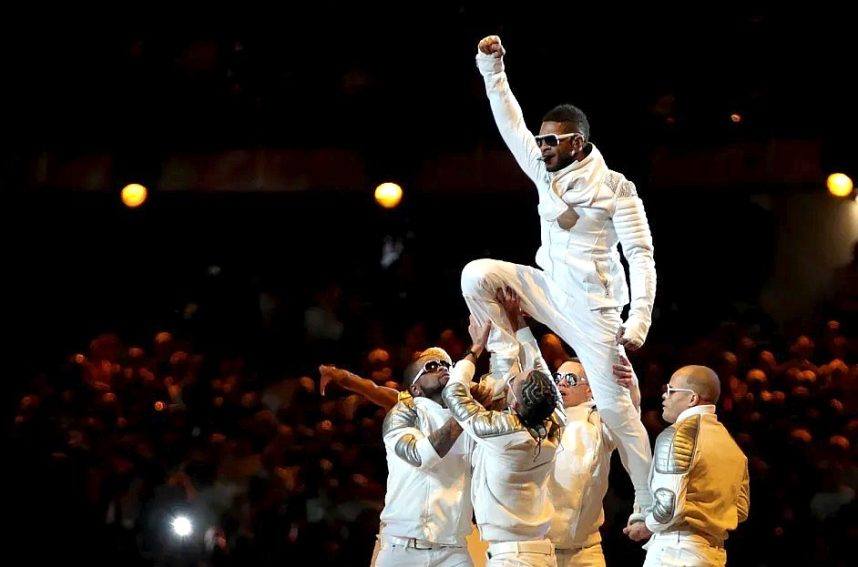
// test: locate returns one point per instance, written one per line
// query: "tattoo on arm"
(442, 439)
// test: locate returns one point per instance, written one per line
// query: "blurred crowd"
(124, 438)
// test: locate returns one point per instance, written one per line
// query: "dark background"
(396, 88)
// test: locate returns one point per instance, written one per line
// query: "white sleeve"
(608, 443)
(632, 228)
(531, 356)
(404, 439)
(635, 390)
(674, 456)
(509, 118)
(497, 381)
(669, 492)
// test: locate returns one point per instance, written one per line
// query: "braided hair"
(538, 400)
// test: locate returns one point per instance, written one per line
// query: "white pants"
(674, 550)
(400, 556)
(540, 554)
(590, 556)
(592, 333)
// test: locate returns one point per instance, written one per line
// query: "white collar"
(590, 169)
(577, 183)
(428, 405)
(582, 410)
(696, 410)
(593, 158)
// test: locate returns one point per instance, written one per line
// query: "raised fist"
(491, 45)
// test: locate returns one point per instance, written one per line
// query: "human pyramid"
(524, 453)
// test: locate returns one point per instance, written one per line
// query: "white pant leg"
(591, 556)
(682, 552)
(592, 333)
(593, 336)
(540, 298)
(522, 559)
(392, 555)
(451, 557)
(400, 556)
(654, 551)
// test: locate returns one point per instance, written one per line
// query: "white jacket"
(579, 481)
(509, 484)
(428, 497)
(585, 210)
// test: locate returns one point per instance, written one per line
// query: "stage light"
(735, 118)
(839, 185)
(133, 195)
(182, 526)
(388, 195)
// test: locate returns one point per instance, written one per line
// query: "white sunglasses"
(669, 390)
(432, 366)
(553, 139)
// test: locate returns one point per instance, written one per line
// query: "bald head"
(574, 391)
(572, 365)
(702, 380)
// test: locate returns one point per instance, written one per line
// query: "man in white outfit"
(427, 507)
(585, 210)
(513, 454)
(699, 478)
(579, 481)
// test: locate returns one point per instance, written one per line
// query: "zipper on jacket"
(602, 278)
